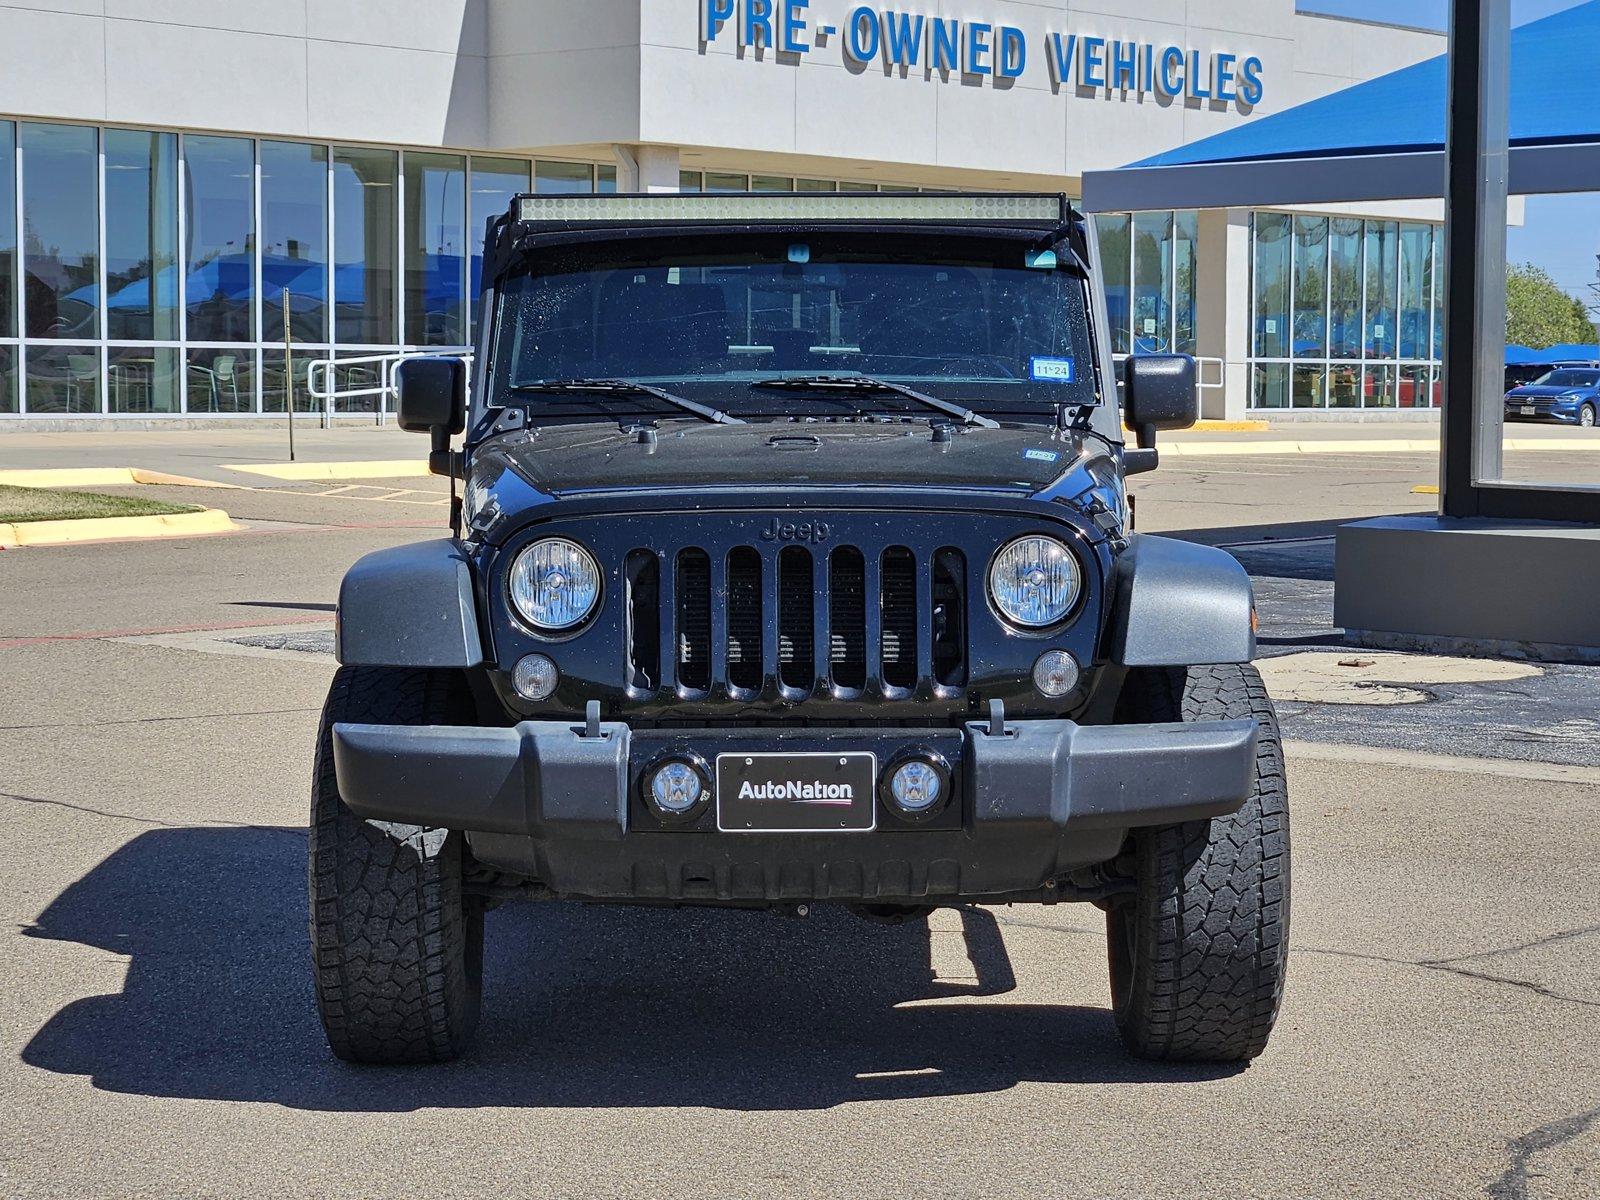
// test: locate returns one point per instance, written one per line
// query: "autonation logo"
(812, 792)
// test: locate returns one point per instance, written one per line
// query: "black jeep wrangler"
(793, 564)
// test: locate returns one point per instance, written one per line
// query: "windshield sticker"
(1051, 370)
(1041, 455)
(1041, 260)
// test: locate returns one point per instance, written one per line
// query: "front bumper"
(1031, 803)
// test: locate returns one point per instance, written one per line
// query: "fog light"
(676, 787)
(918, 785)
(535, 677)
(1055, 674)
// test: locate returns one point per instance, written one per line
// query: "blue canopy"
(1521, 356)
(1555, 98)
(1567, 352)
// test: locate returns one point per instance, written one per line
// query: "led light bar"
(805, 208)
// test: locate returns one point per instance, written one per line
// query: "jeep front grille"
(789, 622)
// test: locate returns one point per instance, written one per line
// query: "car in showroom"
(1568, 394)
(794, 564)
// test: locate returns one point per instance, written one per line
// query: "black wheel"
(1586, 416)
(398, 950)
(1198, 953)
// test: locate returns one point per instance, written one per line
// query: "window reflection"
(364, 249)
(494, 182)
(8, 379)
(1186, 233)
(61, 233)
(143, 379)
(1152, 282)
(1415, 272)
(435, 249)
(1112, 230)
(1344, 287)
(219, 269)
(64, 380)
(1270, 386)
(1382, 264)
(1272, 285)
(294, 240)
(221, 381)
(8, 237)
(141, 236)
(1310, 288)
(272, 379)
(558, 177)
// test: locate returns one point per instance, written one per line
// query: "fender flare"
(410, 606)
(1179, 604)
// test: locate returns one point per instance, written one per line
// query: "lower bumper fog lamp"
(918, 786)
(676, 788)
(1055, 674)
(535, 677)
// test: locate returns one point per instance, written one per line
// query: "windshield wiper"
(866, 383)
(625, 387)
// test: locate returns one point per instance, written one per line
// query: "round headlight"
(555, 584)
(1035, 581)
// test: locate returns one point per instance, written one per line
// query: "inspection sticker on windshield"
(1040, 455)
(1051, 370)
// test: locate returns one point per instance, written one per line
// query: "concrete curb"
(1180, 449)
(79, 477)
(98, 529)
(394, 468)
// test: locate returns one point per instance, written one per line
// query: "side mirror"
(432, 395)
(1160, 392)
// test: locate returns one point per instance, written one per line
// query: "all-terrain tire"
(397, 948)
(1199, 952)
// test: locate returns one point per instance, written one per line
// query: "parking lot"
(1441, 1029)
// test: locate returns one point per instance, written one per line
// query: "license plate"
(797, 793)
(1528, 410)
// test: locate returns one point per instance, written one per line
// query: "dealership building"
(172, 170)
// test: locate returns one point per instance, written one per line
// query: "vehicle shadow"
(584, 1006)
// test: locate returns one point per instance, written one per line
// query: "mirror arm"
(1137, 462)
(441, 461)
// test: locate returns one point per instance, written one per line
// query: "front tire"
(397, 947)
(1586, 416)
(1198, 953)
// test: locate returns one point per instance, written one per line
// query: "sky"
(1559, 233)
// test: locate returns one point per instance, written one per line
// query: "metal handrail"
(322, 384)
(1202, 383)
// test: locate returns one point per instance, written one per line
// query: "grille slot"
(744, 618)
(898, 637)
(949, 624)
(797, 635)
(643, 574)
(847, 618)
(694, 620)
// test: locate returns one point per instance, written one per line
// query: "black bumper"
(1029, 805)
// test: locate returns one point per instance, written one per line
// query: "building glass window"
(1436, 291)
(1270, 386)
(61, 239)
(1344, 287)
(219, 260)
(294, 240)
(143, 379)
(1113, 233)
(1309, 384)
(1185, 236)
(1271, 285)
(771, 183)
(815, 185)
(63, 380)
(221, 381)
(141, 236)
(1344, 385)
(272, 381)
(559, 178)
(1416, 387)
(605, 180)
(8, 379)
(690, 181)
(435, 249)
(1310, 289)
(1382, 286)
(494, 182)
(716, 181)
(1152, 282)
(1416, 243)
(1379, 387)
(8, 241)
(364, 246)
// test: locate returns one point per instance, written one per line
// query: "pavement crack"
(1548, 939)
(1446, 966)
(153, 822)
(1513, 1185)
(269, 712)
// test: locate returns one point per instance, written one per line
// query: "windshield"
(972, 323)
(1570, 379)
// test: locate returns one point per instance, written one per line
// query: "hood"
(565, 460)
(1543, 392)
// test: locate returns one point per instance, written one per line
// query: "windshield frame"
(524, 253)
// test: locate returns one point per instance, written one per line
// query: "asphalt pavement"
(158, 700)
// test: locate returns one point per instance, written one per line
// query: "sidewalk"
(213, 454)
